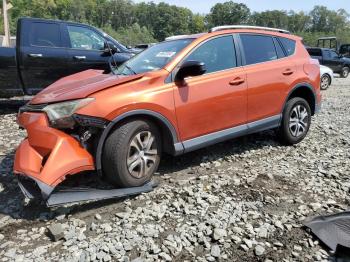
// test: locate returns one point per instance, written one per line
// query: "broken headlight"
(60, 114)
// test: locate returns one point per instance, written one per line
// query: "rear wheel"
(345, 72)
(296, 121)
(325, 82)
(132, 154)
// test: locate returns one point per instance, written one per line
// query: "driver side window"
(84, 38)
(218, 54)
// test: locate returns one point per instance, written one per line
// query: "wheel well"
(306, 93)
(167, 138)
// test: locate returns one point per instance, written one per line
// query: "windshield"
(153, 58)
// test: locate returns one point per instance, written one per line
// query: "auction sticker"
(165, 54)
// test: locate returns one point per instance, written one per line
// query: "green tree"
(163, 19)
(131, 35)
(228, 13)
(197, 24)
(274, 18)
(327, 20)
(298, 22)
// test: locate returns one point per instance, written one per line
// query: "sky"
(203, 6)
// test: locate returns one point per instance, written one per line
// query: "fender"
(301, 85)
(178, 146)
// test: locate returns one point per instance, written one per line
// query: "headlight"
(60, 114)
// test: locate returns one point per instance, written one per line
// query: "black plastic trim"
(301, 85)
(220, 136)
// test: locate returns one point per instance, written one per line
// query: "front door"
(216, 100)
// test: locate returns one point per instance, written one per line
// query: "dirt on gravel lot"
(242, 200)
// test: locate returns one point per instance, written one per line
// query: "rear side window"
(279, 49)
(288, 44)
(45, 34)
(218, 54)
(258, 48)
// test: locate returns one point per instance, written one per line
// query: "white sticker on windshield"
(165, 54)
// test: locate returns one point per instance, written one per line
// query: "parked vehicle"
(327, 77)
(333, 43)
(48, 50)
(175, 97)
(330, 58)
(344, 50)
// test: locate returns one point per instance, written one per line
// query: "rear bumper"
(48, 155)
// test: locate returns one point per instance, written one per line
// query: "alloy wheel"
(142, 154)
(298, 121)
(346, 72)
(324, 82)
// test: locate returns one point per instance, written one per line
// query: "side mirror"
(190, 68)
(109, 47)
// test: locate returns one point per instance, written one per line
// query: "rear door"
(43, 57)
(269, 74)
(85, 49)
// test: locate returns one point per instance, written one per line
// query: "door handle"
(237, 81)
(79, 57)
(288, 72)
(35, 55)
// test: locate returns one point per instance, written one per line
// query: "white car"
(326, 77)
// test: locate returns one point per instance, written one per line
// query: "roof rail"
(227, 27)
(175, 37)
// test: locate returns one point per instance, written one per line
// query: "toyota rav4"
(177, 96)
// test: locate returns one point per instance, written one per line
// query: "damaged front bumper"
(47, 156)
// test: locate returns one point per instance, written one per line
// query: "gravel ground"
(242, 200)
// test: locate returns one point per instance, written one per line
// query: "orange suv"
(177, 96)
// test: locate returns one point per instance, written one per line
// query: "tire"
(127, 160)
(296, 121)
(345, 72)
(325, 82)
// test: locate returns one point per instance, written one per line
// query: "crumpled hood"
(80, 85)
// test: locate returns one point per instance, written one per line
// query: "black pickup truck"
(330, 58)
(47, 50)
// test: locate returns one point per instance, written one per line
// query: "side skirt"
(223, 135)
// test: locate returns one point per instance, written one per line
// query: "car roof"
(238, 30)
(56, 21)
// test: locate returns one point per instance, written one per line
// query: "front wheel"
(296, 121)
(132, 154)
(345, 72)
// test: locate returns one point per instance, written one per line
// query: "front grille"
(89, 121)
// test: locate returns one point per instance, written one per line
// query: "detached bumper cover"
(48, 155)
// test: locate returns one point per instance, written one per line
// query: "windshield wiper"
(128, 67)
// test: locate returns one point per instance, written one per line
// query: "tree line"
(133, 23)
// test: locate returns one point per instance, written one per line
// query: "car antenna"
(112, 56)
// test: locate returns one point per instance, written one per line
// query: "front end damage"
(49, 154)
